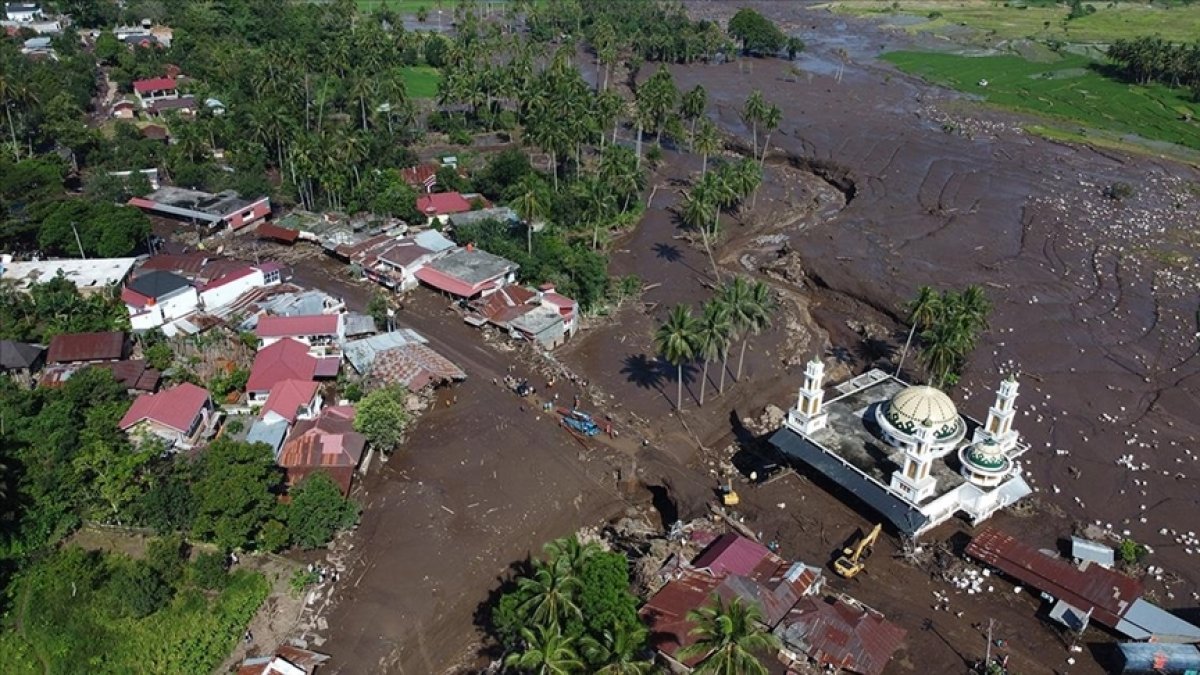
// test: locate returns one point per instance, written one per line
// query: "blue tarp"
(1160, 659)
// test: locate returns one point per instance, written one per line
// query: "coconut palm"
(752, 114)
(598, 202)
(728, 636)
(771, 118)
(698, 209)
(975, 306)
(943, 347)
(569, 554)
(549, 595)
(545, 651)
(619, 169)
(712, 338)
(616, 652)
(744, 177)
(921, 312)
(692, 106)
(706, 141)
(530, 204)
(676, 341)
(749, 309)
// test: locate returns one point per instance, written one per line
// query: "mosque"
(905, 450)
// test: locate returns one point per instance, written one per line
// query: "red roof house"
(732, 567)
(839, 633)
(315, 329)
(87, 347)
(422, 178)
(178, 415)
(157, 84)
(286, 359)
(440, 205)
(292, 399)
(327, 443)
(1106, 593)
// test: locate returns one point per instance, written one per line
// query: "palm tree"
(598, 201)
(617, 651)
(530, 204)
(549, 595)
(546, 652)
(943, 346)
(692, 105)
(698, 208)
(713, 336)
(619, 169)
(676, 341)
(771, 118)
(921, 311)
(975, 306)
(749, 309)
(706, 141)
(744, 177)
(752, 114)
(728, 635)
(569, 554)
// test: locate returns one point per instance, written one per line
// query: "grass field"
(1069, 90)
(421, 81)
(1173, 21)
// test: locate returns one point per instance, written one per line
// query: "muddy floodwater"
(1096, 300)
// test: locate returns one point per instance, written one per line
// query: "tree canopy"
(756, 32)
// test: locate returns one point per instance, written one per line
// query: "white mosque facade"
(905, 450)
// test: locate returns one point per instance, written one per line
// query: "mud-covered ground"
(876, 184)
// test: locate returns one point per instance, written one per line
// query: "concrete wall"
(226, 293)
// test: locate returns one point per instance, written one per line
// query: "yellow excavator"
(854, 559)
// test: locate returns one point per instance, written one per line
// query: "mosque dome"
(984, 463)
(924, 406)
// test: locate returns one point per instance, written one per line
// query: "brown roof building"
(840, 633)
(327, 443)
(87, 348)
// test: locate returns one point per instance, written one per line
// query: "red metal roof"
(442, 204)
(415, 366)
(108, 346)
(228, 278)
(175, 408)
(731, 554)
(155, 84)
(445, 282)
(1109, 594)
(288, 396)
(133, 298)
(287, 359)
(329, 441)
(197, 266)
(297, 326)
(421, 177)
(272, 231)
(836, 633)
(666, 613)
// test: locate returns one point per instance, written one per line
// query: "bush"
(209, 571)
(317, 511)
(1130, 552)
(167, 555)
(1119, 191)
(138, 590)
(274, 536)
(461, 137)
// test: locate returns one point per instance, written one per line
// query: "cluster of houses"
(302, 338)
(154, 97)
(833, 632)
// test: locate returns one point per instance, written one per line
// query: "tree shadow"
(492, 649)
(645, 372)
(667, 252)
(840, 354)
(874, 350)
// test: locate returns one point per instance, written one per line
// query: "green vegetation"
(421, 81)
(756, 33)
(949, 325)
(1175, 21)
(382, 417)
(1130, 552)
(730, 637)
(117, 614)
(572, 613)
(739, 309)
(1070, 90)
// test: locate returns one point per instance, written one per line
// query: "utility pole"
(78, 241)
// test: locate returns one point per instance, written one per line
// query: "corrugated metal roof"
(108, 346)
(361, 353)
(415, 366)
(731, 554)
(298, 326)
(1083, 549)
(666, 613)
(284, 360)
(1106, 592)
(1147, 621)
(175, 408)
(834, 632)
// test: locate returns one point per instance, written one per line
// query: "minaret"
(998, 427)
(914, 480)
(807, 417)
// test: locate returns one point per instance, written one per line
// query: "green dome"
(986, 455)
